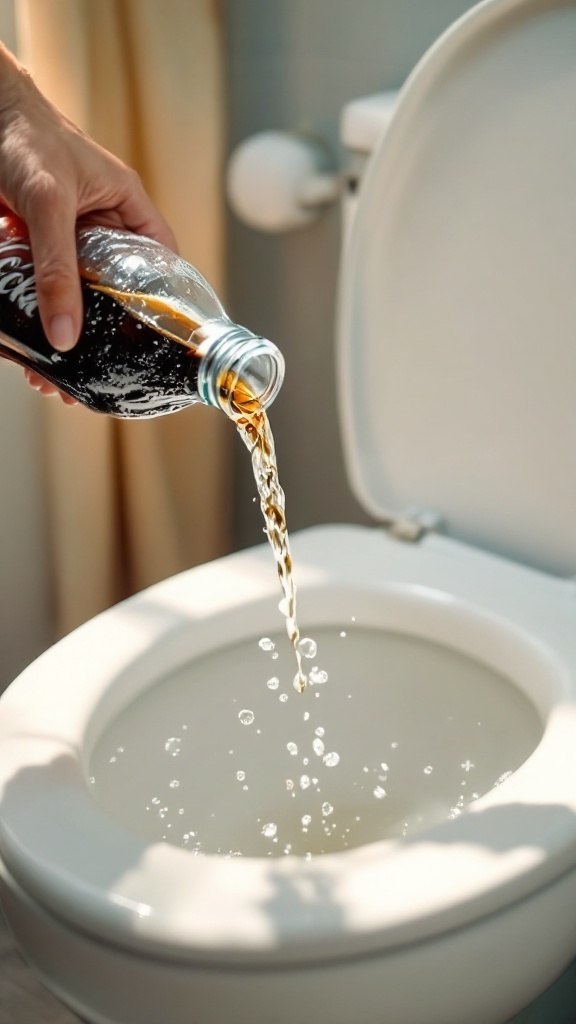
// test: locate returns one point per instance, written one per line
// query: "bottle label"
(17, 280)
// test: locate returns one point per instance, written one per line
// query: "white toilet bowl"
(183, 838)
(126, 927)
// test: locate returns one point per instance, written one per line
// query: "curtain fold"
(133, 502)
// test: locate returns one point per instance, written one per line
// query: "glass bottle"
(155, 336)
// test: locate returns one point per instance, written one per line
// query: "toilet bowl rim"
(126, 914)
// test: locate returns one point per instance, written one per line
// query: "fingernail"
(62, 335)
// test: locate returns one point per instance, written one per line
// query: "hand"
(52, 174)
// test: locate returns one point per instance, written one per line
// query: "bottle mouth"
(238, 371)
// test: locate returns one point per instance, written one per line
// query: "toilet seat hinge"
(414, 524)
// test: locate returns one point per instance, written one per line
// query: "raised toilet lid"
(457, 359)
(457, 345)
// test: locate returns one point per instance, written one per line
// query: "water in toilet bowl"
(392, 734)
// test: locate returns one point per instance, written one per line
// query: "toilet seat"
(159, 899)
(55, 843)
(459, 399)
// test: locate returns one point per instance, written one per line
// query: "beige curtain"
(133, 502)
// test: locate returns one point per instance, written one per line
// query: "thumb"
(53, 243)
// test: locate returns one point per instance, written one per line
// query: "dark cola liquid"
(120, 365)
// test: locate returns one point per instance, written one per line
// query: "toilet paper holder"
(278, 181)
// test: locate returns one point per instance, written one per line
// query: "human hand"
(51, 175)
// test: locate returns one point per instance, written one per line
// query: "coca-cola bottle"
(155, 337)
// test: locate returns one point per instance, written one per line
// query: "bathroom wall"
(293, 64)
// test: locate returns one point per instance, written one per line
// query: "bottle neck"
(238, 371)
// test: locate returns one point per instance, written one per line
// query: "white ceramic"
(452, 692)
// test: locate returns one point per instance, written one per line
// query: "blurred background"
(93, 509)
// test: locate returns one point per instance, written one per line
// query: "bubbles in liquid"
(283, 697)
(292, 748)
(246, 717)
(327, 809)
(467, 766)
(174, 784)
(331, 759)
(319, 731)
(317, 676)
(306, 819)
(270, 830)
(273, 683)
(240, 776)
(428, 769)
(379, 792)
(318, 746)
(304, 781)
(307, 647)
(172, 746)
(266, 644)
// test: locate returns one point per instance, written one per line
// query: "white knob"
(277, 181)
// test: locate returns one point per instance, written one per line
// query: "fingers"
(53, 242)
(141, 216)
(44, 387)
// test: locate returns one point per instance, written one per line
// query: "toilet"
(183, 836)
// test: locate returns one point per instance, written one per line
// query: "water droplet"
(289, 784)
(467, 765)
(273, 683)
(307, 647)
(343, 633)
(283, 697)
(240, 776)
(246, 717)
(331, 759)
(428, 769)
(304, 781)
(306, 716)
(172, 746)
(269, 830)
(292, 748)
(327, 809)
(266, 644)
(384, 767)
(317, 676)
(379, 792)
(318, 747)
(174, 784)
(319, 731)
(306, 819)
(275, 656)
